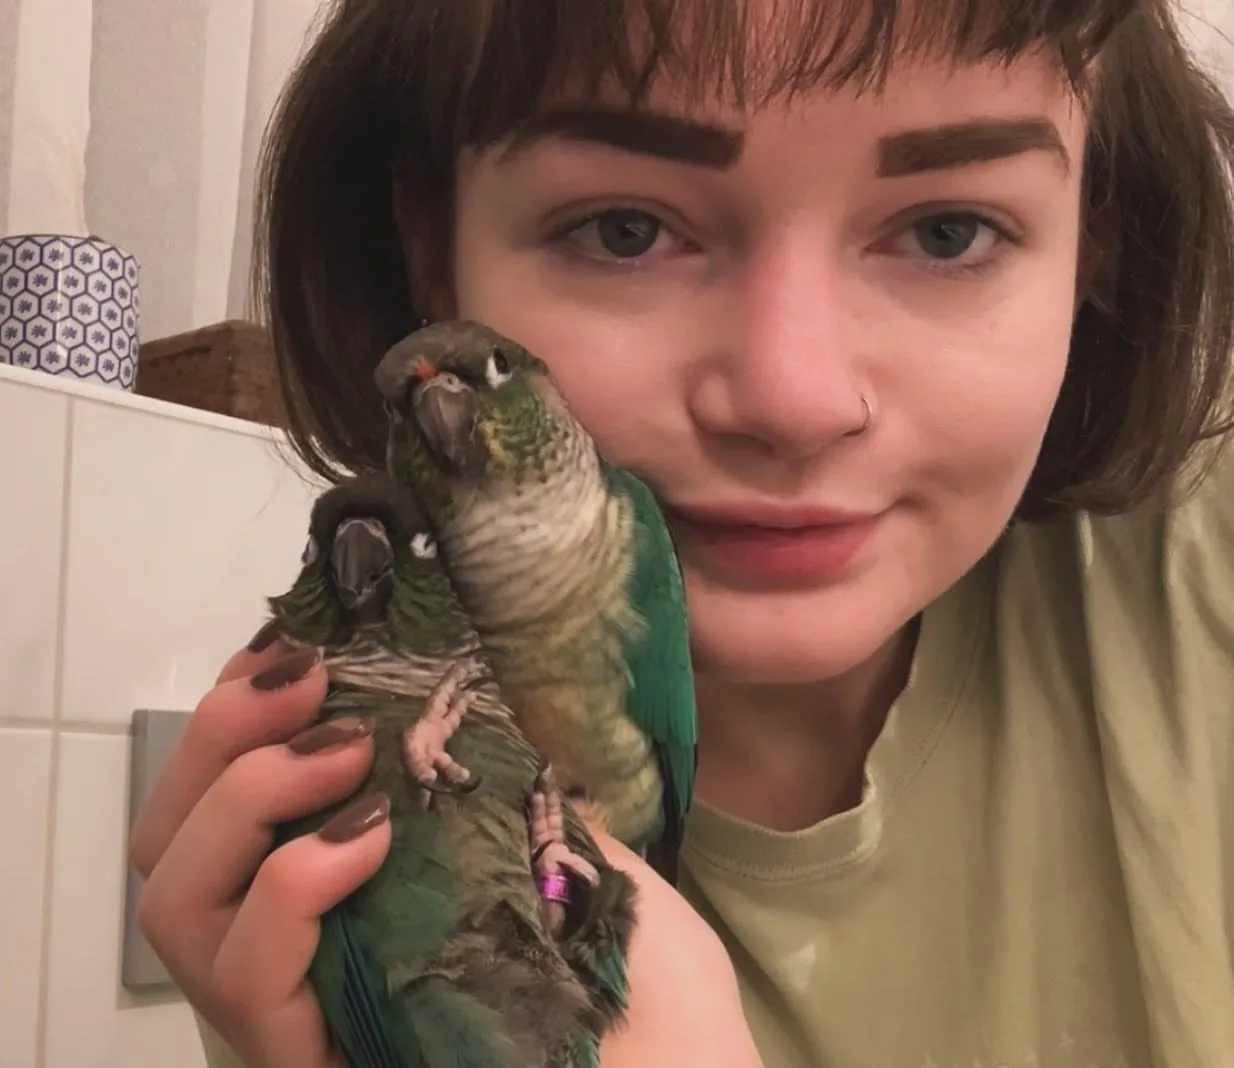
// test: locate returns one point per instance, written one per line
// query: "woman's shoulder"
(1168, 567)
(1158, 580)
(1137, 612)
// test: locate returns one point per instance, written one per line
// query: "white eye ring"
(493, 374)
(309, 556)
(424, 546)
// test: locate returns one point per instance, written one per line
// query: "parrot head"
(367, 537)
(465, 402)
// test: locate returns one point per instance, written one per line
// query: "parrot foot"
(424, 743)
(552, 859)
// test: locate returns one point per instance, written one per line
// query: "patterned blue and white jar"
(70, 306)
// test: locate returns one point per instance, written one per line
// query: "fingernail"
(329, 735)
(291, 668)
(266, 636)
(356, 819)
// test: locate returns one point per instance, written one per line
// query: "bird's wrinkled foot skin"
(552, 859)
(424, 744)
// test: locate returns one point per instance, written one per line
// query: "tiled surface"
(32, 465)
(178, 523)
(177, 533)
(25, 769)
(91, 1021)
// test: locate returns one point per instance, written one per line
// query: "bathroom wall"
(139, 539)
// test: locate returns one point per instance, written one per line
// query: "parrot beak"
(446, 410)
(441, 404)
(362, 560)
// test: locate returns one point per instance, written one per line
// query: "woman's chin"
(785, 637)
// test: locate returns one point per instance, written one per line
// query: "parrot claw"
(551, 857)
(546, 780)
(425, 741)
(431, 789)
(453, 789)
(480, 680)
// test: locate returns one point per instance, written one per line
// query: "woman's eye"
(950, 240)
(618, 234)
(945, 237)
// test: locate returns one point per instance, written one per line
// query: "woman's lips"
(766, 549)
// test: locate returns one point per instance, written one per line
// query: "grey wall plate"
(153, 736)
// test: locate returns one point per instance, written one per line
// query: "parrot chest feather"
(544, 568)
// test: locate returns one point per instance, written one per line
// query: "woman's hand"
(237, 929)
(684, 1004)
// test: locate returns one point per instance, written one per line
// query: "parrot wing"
(423, 1024)
(353, 997)
(372, 944)
(661, 699)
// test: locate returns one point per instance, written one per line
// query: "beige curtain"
(139, 120)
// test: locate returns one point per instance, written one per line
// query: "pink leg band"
(555, 888)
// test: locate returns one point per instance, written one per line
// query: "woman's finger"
(260, 967)
(225, 838)
(263, 649)
(231, 719)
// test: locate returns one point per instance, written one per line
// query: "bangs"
(475, 70)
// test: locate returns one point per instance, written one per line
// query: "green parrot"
(494, 934)
(566, 567)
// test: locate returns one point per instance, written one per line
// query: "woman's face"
(723, 302)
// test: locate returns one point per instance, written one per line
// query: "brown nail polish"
(291, 668)
(356, 819)
(329, 735)
(265, 637)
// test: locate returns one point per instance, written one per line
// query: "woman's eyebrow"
(643, 132)
(706, 144)
(963, 143)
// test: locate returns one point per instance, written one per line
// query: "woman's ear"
(425, 238)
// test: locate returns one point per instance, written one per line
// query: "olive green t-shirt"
(1039, 875)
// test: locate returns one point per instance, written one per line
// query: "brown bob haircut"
(401, 86)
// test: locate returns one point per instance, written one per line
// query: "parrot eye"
(309, 556)
(424, 546)
(497, 369)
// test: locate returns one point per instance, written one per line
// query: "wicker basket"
(227, 368)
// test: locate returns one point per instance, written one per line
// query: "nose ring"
(867, 419)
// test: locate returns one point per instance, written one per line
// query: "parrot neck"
(306, 613)
(371, 666)
(533, 549)
(426, 616)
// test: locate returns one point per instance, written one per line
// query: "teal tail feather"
(353, 1001)
(452, 1028)
(428, 1024)
(597, 948)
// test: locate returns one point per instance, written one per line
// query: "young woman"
(917, 316)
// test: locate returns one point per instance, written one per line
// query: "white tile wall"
(90, 1020)
(177, 532)
(137, 541)
(33, 424)
(25, 773)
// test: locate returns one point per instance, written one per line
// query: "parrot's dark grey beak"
(446, 410)
(362, 561)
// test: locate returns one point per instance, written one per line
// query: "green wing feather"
(376, 1024)
(661, 699)
(353, 998)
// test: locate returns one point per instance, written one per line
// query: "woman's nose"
(787, 372)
